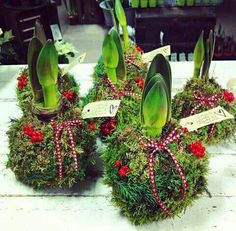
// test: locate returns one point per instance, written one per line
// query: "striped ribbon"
(121, 92)
(206, 100)
(58, 130)
(163, 146)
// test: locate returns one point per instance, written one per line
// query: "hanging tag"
(106, 108)
(56, 33)
(78, 60)
(203, 119)
(149, 56)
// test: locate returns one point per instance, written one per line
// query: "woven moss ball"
(40, 158)
(127, 172)
(185, 101)
(102, 90)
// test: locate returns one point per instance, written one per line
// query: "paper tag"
(202, 119)
(106, 108)
(149, 56)
(76, 61)
(231, 85)
(56, 33)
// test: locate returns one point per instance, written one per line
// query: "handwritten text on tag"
(149, 56)
(202, 119)
(106, 108)
(76, 61)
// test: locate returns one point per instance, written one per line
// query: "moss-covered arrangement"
(203, 93)
(48, 144)
(127, 158)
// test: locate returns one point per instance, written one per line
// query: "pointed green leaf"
(121, 68)
(34, 49)
(161, 65)
(47, 69)
(155, 108)
(110, 57)
(198, 55)
(39, 32)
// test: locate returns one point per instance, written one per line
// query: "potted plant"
(72, 11)
(202, 93)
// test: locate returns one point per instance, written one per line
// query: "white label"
(76, 61)
(149, 56)
(231, 85)
(202, 119)
(106, 108)
(56, 33)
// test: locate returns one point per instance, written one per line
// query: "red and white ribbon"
(130, 61)
(58, 130)
(206, 100)
(163, 146)
(121, 92)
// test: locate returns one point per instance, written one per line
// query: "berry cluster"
(228, 96)
(22, 81)
(197, 149)
(92, 126)
(123, 170)
(108, 126)
(70, 95)
(140, 82)
(35, 136)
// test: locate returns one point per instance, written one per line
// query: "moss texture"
(184, 102)
(35, 164)
(133, 193)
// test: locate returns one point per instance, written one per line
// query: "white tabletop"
(87, 206)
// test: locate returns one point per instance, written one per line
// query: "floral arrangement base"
(50, 153)
(199, 96)
(155, 183)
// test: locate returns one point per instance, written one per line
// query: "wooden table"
(87, 206)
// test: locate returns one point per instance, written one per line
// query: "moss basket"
(185, 101)
(33, 158)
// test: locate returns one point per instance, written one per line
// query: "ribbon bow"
(204, 100)
(121, 92)
(58, 130)
(163, 146)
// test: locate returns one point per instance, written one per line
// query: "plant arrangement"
(202, 93)
(119, 74)
(8, 51)
(48, 144)
(155, 167)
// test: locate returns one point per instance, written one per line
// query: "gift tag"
(106, 108)
(202, 119)
(76, 61)
(149, 56)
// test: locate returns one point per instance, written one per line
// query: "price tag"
(78, 60)
(202, 119)
(149, 56)
(106, 108)
(56, 33)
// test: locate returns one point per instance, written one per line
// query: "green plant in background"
(144, 3)
(156, 101)
(135, 3)
(8, 51)
(180, 2)
(47, 69)
(71, 7)
(190, 2)
(152, 3)
(120, 15)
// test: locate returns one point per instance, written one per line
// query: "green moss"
(184, 102)
(35, 164)
(133, 193)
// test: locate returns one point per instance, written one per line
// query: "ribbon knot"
(119, 92)
(58, 130)
(163, 146)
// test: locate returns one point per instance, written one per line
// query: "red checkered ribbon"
(210, 101)
(130, 61)
(58, 130)
(163, 146)
(121, 92)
